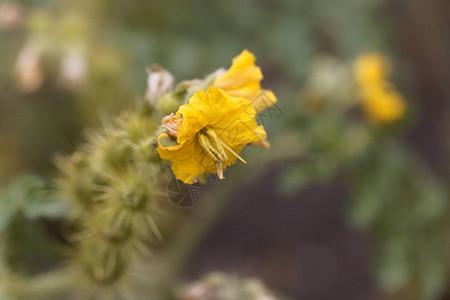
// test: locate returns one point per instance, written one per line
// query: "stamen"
(206, 145)
(214, 147)
(213, 134)
(216, 152)
(219, 171)
(232, 151)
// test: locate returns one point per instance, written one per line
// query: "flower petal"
(234, 122)
(188, 159)
(263, 100)
(196, 115)
(243, 80)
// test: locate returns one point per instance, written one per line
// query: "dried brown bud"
(159, 82)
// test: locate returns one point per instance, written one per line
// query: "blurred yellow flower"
(384, 106)
(207, 134)
(371, 69)
(382, 103)
(243, 80)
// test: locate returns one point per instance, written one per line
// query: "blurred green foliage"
(23, 206)
(32, 197)
(392, 193)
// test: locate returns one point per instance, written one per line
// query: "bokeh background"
(307, 234)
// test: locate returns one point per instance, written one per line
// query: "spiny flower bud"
(130, 190)
(135, 195)
(136, 128)
(102, 263)
(109, 153)
(112, 224)
(145, 152)
(77, 181)
(159, 82)
(168, 103)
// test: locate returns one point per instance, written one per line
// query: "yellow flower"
(371, 69)
(384, 106)
(243, 80)
(382, 103)
(211, 130)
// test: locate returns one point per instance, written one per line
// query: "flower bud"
(117, 227)
(159, 82)
(77, 181)
(28, 70)
(109, 153)
(101, 262)
(11, 15)
(145, 152)
(73, 69)
(135, 195)
(168, 103)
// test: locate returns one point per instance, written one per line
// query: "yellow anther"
(206, 145)
(216, 139)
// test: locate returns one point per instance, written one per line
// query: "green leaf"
(32, 196)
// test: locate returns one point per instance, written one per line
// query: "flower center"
(170, 124)
(215, 149)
